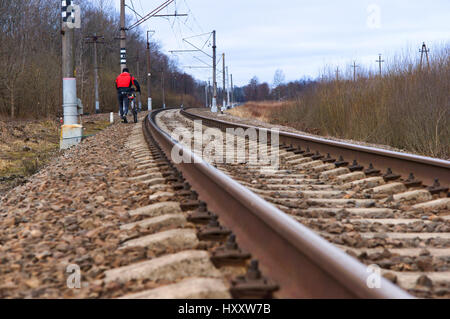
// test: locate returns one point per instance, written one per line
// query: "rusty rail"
(425, 169)
(303, 264)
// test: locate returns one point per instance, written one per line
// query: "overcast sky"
(298, 36)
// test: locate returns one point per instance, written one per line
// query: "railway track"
(138, 225)
(395, 223)
(114, 221)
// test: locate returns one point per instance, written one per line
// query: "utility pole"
(354, 66)
(123, 37)
(138, 75)
(184, 89)
(379, 62)
(97, 100)
(232, 92)
(224, 104)
(149, 90)
(422, 51)
(71, 130)
(228, 89)
(94, 39)
(206, 94)
(214, 98)
(210, 93)
(337, 74)
(163, 89)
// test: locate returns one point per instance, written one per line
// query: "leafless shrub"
(407, 108)
(30, 60)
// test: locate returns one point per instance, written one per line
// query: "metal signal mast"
(72, 130)
(425, 51)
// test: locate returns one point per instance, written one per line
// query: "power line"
(178, 39)
(191, 14)
(177, 26)
(210, 66)
(151, 14)
(178, 30)
(193, 45)
(196, 67)
(426, 51)
(354, 66)
(135, 13)
(140, 3)
(379, 62)
(94, 39)
(199, 35)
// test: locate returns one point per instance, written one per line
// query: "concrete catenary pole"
(214, 97)
(224, 97)
(97, 100)
(422, 51)
(149, 90)
(206, 95)
(185, 89)
(94, 39)
(209, 93)
(232, 91)
(138, 76)
(379, 63)
(354, 66)
(71, 130)
(163, 88)
(123, 37)
(228, 89)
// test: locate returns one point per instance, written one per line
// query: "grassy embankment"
(408, 108)
(26, 146)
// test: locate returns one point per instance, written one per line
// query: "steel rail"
(303, 264)
(425, 169)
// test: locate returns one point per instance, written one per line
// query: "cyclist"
(124, 83)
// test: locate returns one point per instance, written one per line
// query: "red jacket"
(125, 80)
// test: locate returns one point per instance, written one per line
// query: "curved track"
(138, 223)
(425, 169)
(300, 261)
(397, 224)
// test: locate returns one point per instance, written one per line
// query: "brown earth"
(26, 146)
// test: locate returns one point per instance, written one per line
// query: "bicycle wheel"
(135, 113)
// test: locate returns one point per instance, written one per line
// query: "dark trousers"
(123, 103)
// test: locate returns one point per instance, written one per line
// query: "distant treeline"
(256, 91)
(408, 107)
(30, 60)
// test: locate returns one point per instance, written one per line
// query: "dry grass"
(260, 110)
(26, 146)
(408, 108)
(24, 142)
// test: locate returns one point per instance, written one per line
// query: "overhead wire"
(151, 14)
(176, 25)
(178, 32)
(193, 16)
(134, 10)
(142, 8)
(190, 23)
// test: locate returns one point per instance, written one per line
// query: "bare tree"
(278, 79)
(30, 59)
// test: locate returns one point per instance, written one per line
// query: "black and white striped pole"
(214, 98)
(71, 130)
(123, 37)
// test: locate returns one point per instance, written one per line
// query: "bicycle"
(132, 104)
